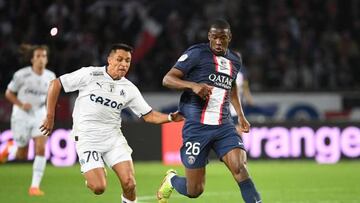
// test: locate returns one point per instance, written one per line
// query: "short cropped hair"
(122, 46)
(219, 24)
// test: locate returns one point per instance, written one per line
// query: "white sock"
(38, 170)
(124, 200)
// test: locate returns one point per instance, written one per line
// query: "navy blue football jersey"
(199, 64)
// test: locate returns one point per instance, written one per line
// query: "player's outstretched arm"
(52, 97)
(158, 117)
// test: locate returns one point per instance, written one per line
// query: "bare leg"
(235, 160)
(125, 172)
(96, 180)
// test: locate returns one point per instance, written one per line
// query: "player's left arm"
(159, 118)
(52, 97)
(244, 125)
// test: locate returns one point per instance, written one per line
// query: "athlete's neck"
(38, 69)
(112, 74)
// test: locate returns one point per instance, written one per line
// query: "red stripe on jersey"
(204, 111)
(231, 67)
(216, 63)
(221, 108)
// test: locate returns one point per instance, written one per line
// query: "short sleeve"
(15, 83)
(189, 59)
(75, 80)
(137, 104)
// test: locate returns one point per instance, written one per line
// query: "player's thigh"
(36, 122)
(120, 152)
(119, 159)
(195, 150)
(235, 158)
(96, 178)
(125, 172)
(227, 139)
(21, 130)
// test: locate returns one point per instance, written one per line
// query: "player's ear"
(209, 36)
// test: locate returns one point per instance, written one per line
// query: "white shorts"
(111, 152)
(26, 126)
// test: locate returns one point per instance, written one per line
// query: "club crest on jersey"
(223, 65)
(82, 161)
(191, 160)
(122, 93)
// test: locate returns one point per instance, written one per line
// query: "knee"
(195, 191)
(240, 171)
(129, 185)
(40, 150)
(97, 188)
(21, 155)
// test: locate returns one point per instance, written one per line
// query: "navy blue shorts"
(199, 139)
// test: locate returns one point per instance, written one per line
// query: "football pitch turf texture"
(277, 181)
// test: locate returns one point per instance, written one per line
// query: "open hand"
(47, 126)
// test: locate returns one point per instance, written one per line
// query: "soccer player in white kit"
(27, 92)
(103, 93)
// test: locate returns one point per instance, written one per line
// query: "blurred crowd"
(287, 45)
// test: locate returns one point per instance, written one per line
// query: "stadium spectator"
(277, 38)
(103, 93)
(206, 74)
(27, 92)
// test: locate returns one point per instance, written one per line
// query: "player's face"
(40, 58)
(119, 63)
(219, 40)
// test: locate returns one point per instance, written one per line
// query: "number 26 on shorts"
(192, 148)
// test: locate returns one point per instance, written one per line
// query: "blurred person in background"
(27, 92)
(206, 74)
(103, 93)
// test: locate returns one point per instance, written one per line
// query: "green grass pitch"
(277, 181)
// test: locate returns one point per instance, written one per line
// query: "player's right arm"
(173, 80)
(52, 97)
(11, 96)
(13, 87)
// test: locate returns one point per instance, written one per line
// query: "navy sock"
(179, 183)
(248, 192)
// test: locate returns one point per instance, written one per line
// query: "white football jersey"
(30, 88)
(97, 109)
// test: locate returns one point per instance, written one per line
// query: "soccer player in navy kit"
(207, 73)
